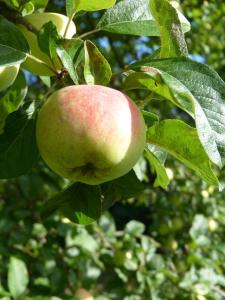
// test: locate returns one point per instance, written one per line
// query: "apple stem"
(42, 63)
(88, 33)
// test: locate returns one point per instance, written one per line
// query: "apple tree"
(44, 50)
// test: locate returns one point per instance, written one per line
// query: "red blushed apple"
(90, 133)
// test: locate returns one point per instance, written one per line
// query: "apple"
(212, 225)
(83, 294)
(8, 75)
(171, 244)
(38, 20)
(90, 133)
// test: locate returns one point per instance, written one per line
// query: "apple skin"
(8, 75)
(83, 294)
(38, 20)
(90, 133)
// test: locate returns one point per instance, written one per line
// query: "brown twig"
(16, 17)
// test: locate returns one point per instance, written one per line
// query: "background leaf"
(17, 277)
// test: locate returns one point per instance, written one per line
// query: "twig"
(88, 33)
(15, 17)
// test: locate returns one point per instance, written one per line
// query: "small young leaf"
(12, 99)
(157, 167)
(181, 141)
(133, 17)
(67, 63)
(47, 39)
(17, 277)
(96, 68)
(13, 45)
(27, 8)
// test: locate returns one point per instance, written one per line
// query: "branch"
(16, 17)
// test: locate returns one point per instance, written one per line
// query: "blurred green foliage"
(161, 245)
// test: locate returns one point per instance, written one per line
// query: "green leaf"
(27, 8)
(96, 68)
(70, 7)
(150, 118)
(199, 227)
(93, 5)
(11, 3)
(73, 47)
(84, 240)
(133, 17)
(18, 149)
(135, 228)
(40, 3)
(17, 277)
(12, 99)
(181, 141)
(67, 63)
(47, 39)
(117, 190)
(172, 38)
(195, 88)
(157, 167)
(13, 45)
(81, 203)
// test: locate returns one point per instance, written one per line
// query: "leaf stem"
(88, 33)
(68, 25)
